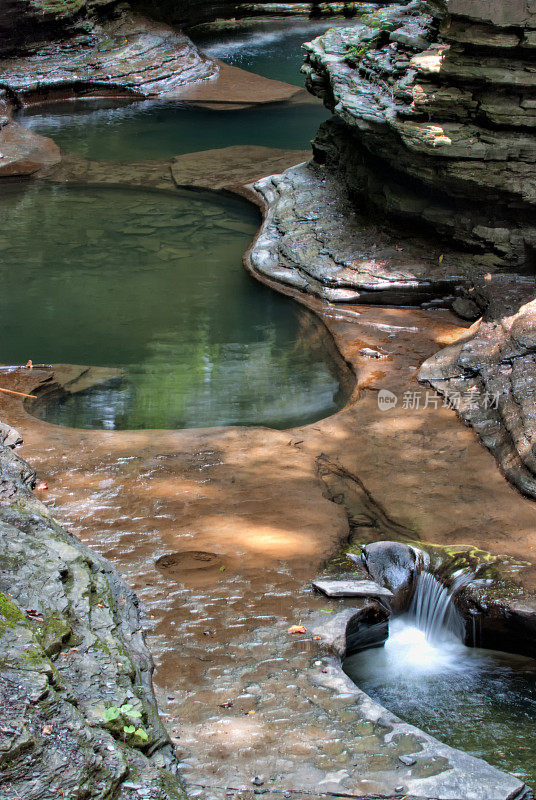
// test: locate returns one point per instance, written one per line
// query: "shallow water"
(476, 700)
(272, 48)
(138, 131)
(153, 283)
(160, 129)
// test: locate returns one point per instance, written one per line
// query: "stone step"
(352, 589)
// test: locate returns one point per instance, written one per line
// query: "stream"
(201, 344)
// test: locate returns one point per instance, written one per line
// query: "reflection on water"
(479, 701)
(269, 47)
(156, 129)
(153, 283)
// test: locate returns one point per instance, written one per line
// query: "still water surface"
(152, 283)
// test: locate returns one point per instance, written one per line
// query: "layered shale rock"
(71, 649)
(314, 240)
(489, 378)
(128, 56)
(434, 108)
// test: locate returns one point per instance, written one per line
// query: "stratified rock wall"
(25, 21)
(435, 108)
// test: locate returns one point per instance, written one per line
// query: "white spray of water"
(252, 42)
(433, 610)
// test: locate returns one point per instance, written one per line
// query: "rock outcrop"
(434, 107)
(78, 711)
(489, 378)
(316, 241)
(127, 56)
(434, 128)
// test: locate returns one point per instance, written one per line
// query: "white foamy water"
(256, 40)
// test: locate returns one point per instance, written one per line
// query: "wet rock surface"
(23, 152)
(127, 56)
(71, 646)
(434, 106)
(490, 379)
(315, 240)
(255, 499)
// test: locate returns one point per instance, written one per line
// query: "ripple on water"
(476, 700)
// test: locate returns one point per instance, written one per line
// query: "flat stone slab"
(352, 589)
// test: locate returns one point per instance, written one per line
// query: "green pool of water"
(269, 47)
(152, 283)
(155, 129)
(476, 700)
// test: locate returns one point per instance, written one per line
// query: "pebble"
(257, 781)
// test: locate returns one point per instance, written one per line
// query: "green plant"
(124, 715)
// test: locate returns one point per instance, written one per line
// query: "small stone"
(407, 760)
(352, 589)
(257, 781)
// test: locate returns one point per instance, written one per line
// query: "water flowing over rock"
(433, 610)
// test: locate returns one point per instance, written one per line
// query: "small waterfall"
(433, 610)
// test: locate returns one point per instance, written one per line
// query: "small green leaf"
(327, 610)
(111, 713)
(222, 569)
(129, 728)
(134, 714)
(126, 708)
(141, 733)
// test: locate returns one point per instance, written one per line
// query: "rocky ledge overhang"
(122, 55)
(435, 115)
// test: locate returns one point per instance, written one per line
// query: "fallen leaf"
(46, 730)
(487, 276)
(29, 364)
(252, 711)
(297, 629)
(326, 610)
(441, 257)
(41, 486)
(316, 638)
